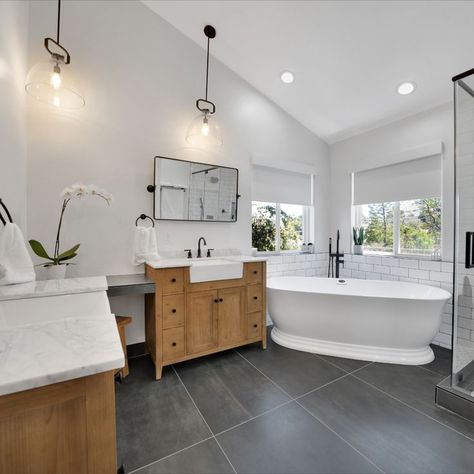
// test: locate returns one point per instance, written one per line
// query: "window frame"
(396, 251)
(306, 225)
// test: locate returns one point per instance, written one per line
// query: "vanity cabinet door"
(232, 315)
(201, 321)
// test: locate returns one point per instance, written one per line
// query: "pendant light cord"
(207, 65)
(59, 21)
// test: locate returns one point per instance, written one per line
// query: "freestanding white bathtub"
(381, 321)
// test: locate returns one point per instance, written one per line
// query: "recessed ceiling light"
(287, 77)
(406, 88)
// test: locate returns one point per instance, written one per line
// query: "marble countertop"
(188, 262)
(68, 286)
(57, 336)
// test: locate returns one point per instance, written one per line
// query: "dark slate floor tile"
(416, 387)
(228, 390)
(290, 440)
(296, 372)
(397, 438)
(154, 418)
(442, 361)
(349, 365)
(204, 458)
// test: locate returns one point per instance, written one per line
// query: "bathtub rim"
(353, 351)
(444, 295)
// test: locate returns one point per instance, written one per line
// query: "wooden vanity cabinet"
(63, 428)
(185, 320)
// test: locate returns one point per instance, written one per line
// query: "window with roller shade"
(281, 209)
(400, 207)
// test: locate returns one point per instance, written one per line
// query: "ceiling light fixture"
(287, 77)
(406, 88)
(51, 81)
(204, 130)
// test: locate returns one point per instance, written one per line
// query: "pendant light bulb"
(205, 126)
(56, 77)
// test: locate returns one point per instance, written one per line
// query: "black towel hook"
(7, 213)
(143, 217)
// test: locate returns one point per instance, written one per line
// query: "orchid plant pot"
(55, 272)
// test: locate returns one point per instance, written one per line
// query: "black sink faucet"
(199, 246)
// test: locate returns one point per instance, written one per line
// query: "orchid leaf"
(72, 252)
(39, 250)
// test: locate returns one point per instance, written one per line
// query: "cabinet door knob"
(173, 310)
(255, 297)
(173, 280)
(221, 300)
(173, 344)
(255, 272)
(216, 301)
(255, 325)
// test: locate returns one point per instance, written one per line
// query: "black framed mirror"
(191, 191)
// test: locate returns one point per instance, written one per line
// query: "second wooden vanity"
(185, 320)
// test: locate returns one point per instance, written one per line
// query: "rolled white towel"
(144, 247)
(16, 265)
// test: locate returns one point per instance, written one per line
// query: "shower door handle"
(469, 262)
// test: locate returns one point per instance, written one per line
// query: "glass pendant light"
(52, 81)
(204, 132)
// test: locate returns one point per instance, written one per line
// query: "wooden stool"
(122, 321)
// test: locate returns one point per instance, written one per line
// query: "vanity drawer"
(254, 272)
(173, 343)
(254, 325)
(172, 280)
(254, 298)
(173, 311)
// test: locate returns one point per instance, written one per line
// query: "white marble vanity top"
(58, 337)
(188, 262)
(35, 289)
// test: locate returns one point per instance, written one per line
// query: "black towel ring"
(4, 222)
(143, 217)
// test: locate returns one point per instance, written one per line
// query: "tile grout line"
(207, 424)
(341, 438)
(170, 455)
(317, 419)
(412, 407)
(340, 368)
(433, 371)
(255, 417)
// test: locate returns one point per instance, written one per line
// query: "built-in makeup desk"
(134, 284)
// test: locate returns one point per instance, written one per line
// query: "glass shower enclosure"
(462, 377)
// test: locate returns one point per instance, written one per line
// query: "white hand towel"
(16, 265)
(144, 245)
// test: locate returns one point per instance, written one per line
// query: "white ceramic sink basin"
(215, 269)
(17, 313)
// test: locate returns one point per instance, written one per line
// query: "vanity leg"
(264, 343)
(158, 371)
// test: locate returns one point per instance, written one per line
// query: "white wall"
(13, 59)
(141, 78)
(386, 145)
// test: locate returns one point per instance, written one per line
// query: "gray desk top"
(135, 284)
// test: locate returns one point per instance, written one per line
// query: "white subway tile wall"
(371, 267)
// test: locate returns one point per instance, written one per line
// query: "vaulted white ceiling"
(347, 56)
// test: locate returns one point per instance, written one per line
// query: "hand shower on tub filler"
(337, 257)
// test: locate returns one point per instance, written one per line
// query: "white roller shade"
(281, 186)
(415, 179)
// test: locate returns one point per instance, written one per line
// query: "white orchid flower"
(67, 193)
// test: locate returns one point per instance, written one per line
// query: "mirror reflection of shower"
(195, 191)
